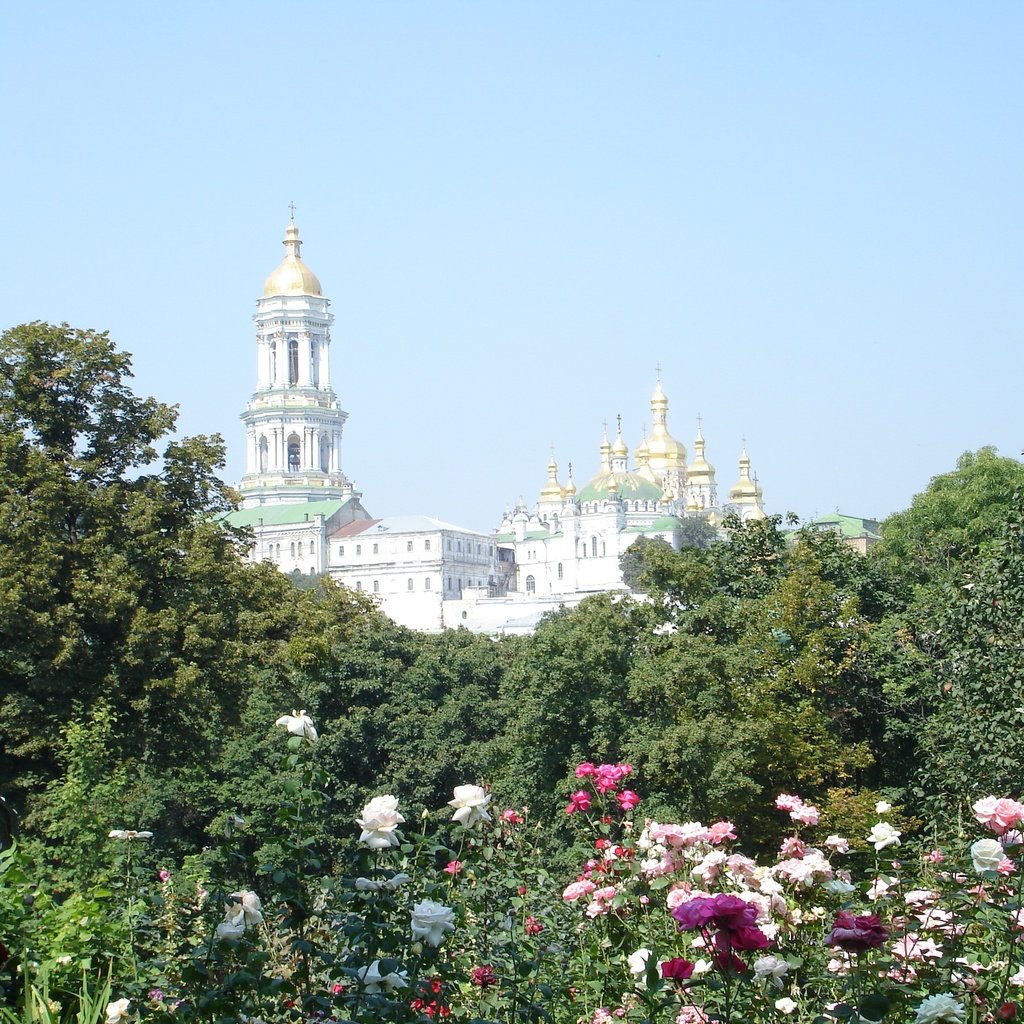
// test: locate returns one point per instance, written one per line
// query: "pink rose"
(579, 801)
(628, 799)
(720, 831)
(998, 814)
(583, 770)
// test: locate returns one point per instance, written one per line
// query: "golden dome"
(664, 450)
(746, 491)
(292, 277)
(700, 470)
(552, 490)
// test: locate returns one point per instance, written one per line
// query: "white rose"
(117, 1011)
(396, 880)
(771, 968)
(379, 821)
(373, 981)
(431, 920)
(987, 854)
(883, 807)
(785, 1005)
(298, 723)
(942, 1007)
(638, 960)
(883, 834)
(128, 834)
(252, 909)
(470, 803)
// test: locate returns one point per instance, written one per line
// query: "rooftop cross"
(291, 206)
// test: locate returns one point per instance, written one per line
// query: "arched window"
(314, 370)
(559, 570)
(376, 586)
(604, 550)
(325, 453)
(293, 361)
(300, 548)
(426, 583)
(264, 450)
(408, 583)
(531, 585)
(341, 550)
(293, 549)
(311, 549)
(593, 546)
(426, 545)
(294, 454)
(273, 362)
(359, 584)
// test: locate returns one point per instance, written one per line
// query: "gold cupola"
(746, 491)
(552, 490)
(292, 277)
(664, 451)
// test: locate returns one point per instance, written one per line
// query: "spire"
(606, 451)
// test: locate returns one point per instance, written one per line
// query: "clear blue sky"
(810, 214)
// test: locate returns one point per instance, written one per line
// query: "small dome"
(292, 277)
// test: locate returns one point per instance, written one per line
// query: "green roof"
(283, 515)
(629, 486)
(848, 526)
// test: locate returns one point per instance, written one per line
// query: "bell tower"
(293, 421)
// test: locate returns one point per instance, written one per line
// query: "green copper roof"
(848, 526)
(629, 486)
(283, 515)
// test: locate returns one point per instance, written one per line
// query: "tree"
(118, 584)
(959, 513)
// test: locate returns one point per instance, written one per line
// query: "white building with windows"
(304, 513)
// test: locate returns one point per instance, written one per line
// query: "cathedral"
(572, 540)
(306, 516)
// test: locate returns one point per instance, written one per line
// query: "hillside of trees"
(143, 661)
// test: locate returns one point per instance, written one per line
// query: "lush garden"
(590, 823)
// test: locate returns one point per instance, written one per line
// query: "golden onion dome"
(292, 277)
(552, 490)
(745, 491)
(664, 450)
(620, 449)
(700, 470)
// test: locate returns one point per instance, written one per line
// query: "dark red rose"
(676, 969)
(856, 934)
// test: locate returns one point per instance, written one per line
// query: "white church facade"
(306, 515)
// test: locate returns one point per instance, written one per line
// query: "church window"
(408, 583)
(311, 551)
(341, 550)
(458, 546)
(478, 549)
(426, 583)
(359, 549)
(359, 584)
(273, 362)
(408, 545)
(531, 585)
(376, 549)
(426, 545)
(376, 586)
(314, 369)
(448, 545)
(293, 549)
(604, 551)
(300, 548)
(293, 361)
(294, 454)
(263, 452)
(325, 454)
(593, 546)
(559, 570)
